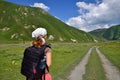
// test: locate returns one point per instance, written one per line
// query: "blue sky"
(86, 15)
(62, 9)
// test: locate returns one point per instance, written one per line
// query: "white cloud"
(106, 26)
(41, 5)
(93, 16)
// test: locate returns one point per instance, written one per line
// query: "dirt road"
(79, 70)
(112, 73)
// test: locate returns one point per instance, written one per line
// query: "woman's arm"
(48, 57)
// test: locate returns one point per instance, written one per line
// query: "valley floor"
(70, 61)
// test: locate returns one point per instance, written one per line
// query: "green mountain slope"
(112, 33)
(98, 34)
(17, 23)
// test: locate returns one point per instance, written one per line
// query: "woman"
(32, 55)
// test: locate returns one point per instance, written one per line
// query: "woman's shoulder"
(48, 47)
(48, 50)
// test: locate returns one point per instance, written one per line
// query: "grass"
(64, 58)
(10, 60)
(112, 53)
(94, 69)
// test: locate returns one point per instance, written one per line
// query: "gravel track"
(79, 70)
(112, 73)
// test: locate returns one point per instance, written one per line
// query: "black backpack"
(34, 58)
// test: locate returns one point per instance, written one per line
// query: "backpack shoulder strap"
(47, 45)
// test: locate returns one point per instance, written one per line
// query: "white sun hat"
(39, 32)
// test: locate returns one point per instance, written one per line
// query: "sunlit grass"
(10, 60)
(64, 58)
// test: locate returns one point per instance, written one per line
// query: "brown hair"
(38, 42)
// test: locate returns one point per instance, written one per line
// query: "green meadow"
(64, 57)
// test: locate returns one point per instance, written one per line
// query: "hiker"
(37, 58)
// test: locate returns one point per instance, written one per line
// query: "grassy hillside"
(17, 22)
(112, 33)
(98, 34)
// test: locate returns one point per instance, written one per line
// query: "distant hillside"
(17, 22)
(98, 34)
(112, 33)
